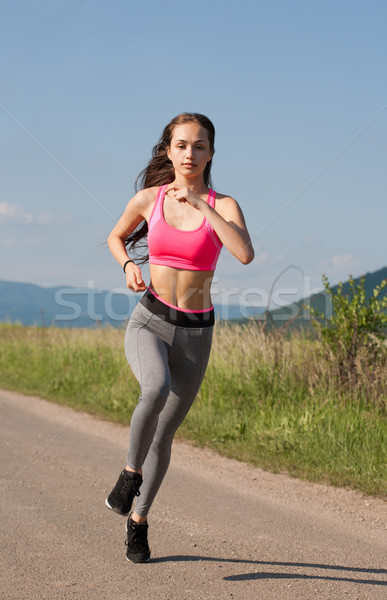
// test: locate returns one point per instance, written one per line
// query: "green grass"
(269, 400)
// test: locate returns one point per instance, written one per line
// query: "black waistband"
(177, 317)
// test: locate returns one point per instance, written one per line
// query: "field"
(270, 399)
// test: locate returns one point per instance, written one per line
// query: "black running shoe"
(137, 542)
(122, 495)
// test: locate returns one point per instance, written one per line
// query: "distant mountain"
(65, 306)
(298, 313)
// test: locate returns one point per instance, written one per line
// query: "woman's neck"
(196, 184)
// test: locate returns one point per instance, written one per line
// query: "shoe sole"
(116, 510)
(137, 562)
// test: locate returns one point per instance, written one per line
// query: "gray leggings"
(169, 363)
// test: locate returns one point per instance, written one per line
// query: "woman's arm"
(229, 223)
(227, 220)
(137, 210)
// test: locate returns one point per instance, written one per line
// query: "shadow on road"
(268, 575)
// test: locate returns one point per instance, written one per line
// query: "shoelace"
(130, 484)
(137, 481)
(138, 538)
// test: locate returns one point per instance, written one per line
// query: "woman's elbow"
(112, 238)
(247, 255)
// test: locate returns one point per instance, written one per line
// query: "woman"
(169, 334)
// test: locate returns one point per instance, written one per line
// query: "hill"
(298, 313)
(65, 306)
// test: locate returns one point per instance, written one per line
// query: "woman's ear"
(169, 152)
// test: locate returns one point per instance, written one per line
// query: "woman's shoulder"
(144, 201)
(224, 201)
(145, 198)
(147, 194)
(225, 197)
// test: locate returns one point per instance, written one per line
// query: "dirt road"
(218, 529)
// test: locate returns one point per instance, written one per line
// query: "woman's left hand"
(184, 194)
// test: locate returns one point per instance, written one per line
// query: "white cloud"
(16, 214)
(10, 241)
(261, 258)
(340, 267)
(344, 260)
(8, 211)
(264, 258)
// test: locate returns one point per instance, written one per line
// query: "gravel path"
(218, 529)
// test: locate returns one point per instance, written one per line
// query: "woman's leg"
(188, 359)
(147, 355)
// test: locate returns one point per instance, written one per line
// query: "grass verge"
(269, 400)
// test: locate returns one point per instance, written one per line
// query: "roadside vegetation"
(310, 405)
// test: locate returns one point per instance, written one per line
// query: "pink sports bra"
(196, 250)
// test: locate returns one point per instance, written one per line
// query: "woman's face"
(190, 149)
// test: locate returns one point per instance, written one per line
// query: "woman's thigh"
(147, 356)
(188, 361)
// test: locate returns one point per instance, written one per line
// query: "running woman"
(168, 339)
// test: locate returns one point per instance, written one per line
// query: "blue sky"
(297, 91)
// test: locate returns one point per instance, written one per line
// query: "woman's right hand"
(134, 279)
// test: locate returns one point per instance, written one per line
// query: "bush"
(356, 331)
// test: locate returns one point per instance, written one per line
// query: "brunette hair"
(160, 171)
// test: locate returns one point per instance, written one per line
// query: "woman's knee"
(155, 394)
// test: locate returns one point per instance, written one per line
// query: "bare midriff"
(189, 290)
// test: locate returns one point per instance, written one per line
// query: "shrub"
(356, 331)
